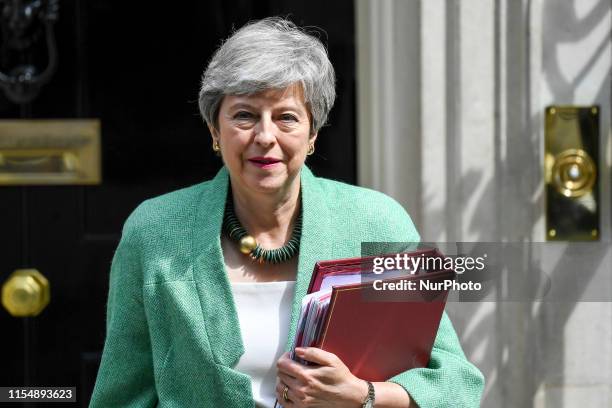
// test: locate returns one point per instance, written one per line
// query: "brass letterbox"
(571, 173)
(35, 152)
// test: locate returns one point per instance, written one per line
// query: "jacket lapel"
(216, 297)
(315, 244)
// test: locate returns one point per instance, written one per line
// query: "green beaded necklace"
(248, 244)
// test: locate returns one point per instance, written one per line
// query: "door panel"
(137, 68)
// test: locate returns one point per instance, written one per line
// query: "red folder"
(381, 334)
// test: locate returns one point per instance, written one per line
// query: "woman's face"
(264, 138)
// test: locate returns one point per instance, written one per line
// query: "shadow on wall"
(520, 361)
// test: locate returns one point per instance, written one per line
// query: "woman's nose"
(265, 132)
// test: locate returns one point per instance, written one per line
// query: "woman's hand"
(329, 383)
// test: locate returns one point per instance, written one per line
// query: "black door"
(136, 67)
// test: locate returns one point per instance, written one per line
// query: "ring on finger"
(285, 391)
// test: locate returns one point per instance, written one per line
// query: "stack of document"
(310, 324)
(375, 335)
(315, 305)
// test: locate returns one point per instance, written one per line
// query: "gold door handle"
(25, 293)
(574, 173)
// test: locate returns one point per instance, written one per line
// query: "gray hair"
(272, 53)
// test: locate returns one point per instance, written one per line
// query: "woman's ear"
(311, 144)
(213, 132)
(215, 140)
(313, 138)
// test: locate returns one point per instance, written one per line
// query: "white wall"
(451, 101)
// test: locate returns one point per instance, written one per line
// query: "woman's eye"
(288, 118)
(243, 115)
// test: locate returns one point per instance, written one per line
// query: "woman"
(206, 283)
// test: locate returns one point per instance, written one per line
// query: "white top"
(264, 313)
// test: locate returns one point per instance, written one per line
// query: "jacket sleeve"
(449, 380)
(125, 377)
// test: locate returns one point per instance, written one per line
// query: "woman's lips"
(264, 162)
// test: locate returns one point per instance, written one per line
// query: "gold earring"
(310, 149)
(216, 148)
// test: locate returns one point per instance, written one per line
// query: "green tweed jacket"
(172, 330)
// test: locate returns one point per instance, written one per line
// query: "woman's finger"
(291, 368)
(284, 398)
(317, 356)
(292, 382)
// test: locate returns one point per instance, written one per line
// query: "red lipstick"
(264, 162)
